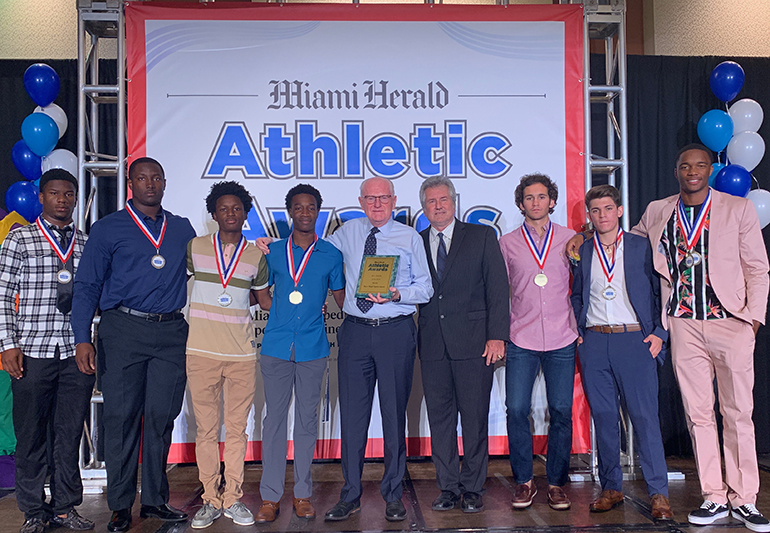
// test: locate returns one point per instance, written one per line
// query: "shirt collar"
(146, 218)
(447, 232)
(384, 229)
(532, 231)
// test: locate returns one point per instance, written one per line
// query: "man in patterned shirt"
(228, 273)
(37, 263)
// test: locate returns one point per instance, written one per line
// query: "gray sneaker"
(240, 514)
(205, 516)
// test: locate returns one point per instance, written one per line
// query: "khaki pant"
(210, 381)
(701, 350)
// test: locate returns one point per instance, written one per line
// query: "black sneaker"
(72, 521)
(708, 513)
(752, 518)
(33, 525)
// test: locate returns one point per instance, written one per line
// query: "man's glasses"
(382, 198)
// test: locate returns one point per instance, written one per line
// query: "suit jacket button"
(440, 296)
(442, 316)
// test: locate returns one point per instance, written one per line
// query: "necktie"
(370, 248)
(440, 257)
(64, 290)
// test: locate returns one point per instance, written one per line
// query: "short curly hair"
(303, 188)
(224, 188)
(531, 179)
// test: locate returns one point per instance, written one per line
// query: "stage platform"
(419, 491)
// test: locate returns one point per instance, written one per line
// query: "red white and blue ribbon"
(226, 272)
(142, 226)
(296, 274)
(691, 231)
(542, 254)
(63, 255)
(607, 266)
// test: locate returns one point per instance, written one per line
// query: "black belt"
(378, 321)
(152, 317)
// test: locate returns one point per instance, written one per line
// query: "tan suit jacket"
(737, 258)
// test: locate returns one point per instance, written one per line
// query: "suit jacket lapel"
(457, 239)
(585, 264)
(426, 241)
(659, 259)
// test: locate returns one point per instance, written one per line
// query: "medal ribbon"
(63, 255)
(691, 232)
(226, 273)
(542, 254)
(296, 275)
(147, 233)
(607, 267)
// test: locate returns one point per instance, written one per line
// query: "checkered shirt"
(28, 267)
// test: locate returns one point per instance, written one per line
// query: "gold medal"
(295, 297)
(158, 261)
(541, 280)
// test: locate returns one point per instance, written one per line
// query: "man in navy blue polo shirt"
(295, 350)
(134, 269)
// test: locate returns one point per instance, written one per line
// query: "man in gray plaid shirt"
(37, 264)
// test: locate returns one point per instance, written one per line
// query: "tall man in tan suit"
(708, 249)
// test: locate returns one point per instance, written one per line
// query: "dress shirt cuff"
(8, 343)
(82, 336)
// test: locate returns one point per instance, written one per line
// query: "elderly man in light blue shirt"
(377, 345)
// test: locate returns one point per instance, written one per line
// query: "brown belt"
(623, 328)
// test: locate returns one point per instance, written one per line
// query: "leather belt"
(152, 317)
(623, 328)
(374, 322)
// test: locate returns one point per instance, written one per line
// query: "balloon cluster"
(40, 131)
(734, 132)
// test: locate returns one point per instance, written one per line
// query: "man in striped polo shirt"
(229, 275)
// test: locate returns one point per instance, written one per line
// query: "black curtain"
(666, 97)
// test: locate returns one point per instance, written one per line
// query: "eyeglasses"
(383, 198)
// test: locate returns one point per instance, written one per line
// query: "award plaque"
(378, 274)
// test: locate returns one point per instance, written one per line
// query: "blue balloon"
(726, 80)
(715, 129)
(716, 167)
(733, 179)
(22, 197)
(42, 84)
(40, 132)
(26, 161)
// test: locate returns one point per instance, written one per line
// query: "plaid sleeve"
(11, 259)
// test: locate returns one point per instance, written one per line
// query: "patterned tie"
(64, 290)
(440, 257)
(370, 248)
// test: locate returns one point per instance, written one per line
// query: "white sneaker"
(708, 513)
(752, 518)
(240, 514)
(205, 516)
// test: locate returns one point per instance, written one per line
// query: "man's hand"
(573, 245)
(580, 340)
(85, 358)
(656, 343)
(263, 243)
(754, 324)
(494, 351)
(378, 298)
(13, 362)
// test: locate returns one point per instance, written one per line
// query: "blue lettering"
(353, 141)
(277, 144)
(386, 156)
(486, 216)
(313, 147)
(234, 150)
(456, 149)
(427, 145)
(485, 155)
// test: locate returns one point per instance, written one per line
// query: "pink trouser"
(701, 350)
(209, 380)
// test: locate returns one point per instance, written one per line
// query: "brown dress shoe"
(606, 501)
(267, 512)
(523, 495)
(661, 509)
(558, 499)
(303, 508)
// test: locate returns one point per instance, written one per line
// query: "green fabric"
(7, 436)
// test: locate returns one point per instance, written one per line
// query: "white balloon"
(747, 115)
(57, 114)
(61, 158)
(761, 200)
(746, 149)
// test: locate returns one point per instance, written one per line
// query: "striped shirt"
(692, 297)
(225, 333)
(28, 267)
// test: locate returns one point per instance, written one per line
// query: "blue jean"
(521, 368)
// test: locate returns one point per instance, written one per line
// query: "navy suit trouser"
(369, 355)
(619, 367)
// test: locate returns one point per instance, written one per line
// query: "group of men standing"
(694, 268)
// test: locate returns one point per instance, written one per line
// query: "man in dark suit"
(616, 298)
(462, 333)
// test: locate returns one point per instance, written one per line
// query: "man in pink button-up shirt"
(543, 334)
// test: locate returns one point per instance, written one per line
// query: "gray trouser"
(281, 378)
